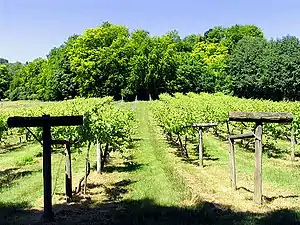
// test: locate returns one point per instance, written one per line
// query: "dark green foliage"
(236, 33)
(246, 67)
(232, 35)
(11, 69)
(99, 59)
(3, 61)
(57, 76)
(26, 84)
(4, 80)
(189, 42)
(215, 35)
(192, 75)
(281, 65)
(262, 69)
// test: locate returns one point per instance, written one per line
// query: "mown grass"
(156, 179)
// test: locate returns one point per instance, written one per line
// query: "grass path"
(157, 179)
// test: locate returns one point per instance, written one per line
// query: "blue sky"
(30, 28)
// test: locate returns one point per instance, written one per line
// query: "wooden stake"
(98, 157)
(85, 176)
(200, 147)
(68, 172)
(258, 164)
(86, 167)
(232, 165)
(293, 142)
(48, 215)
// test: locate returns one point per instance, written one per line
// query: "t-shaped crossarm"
(44, 120)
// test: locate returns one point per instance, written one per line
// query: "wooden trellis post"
(46, 122)
(258, 118)
(293, 143)
(232, 165)
(200, 127)
(68, 167)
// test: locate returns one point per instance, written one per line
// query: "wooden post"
(259, 118)
(86, 167)
(258, 164)
(68, 172)
(85, 176)
(200, 147)
(98, 157)
(269, 117)
(242, 142)
(48, 213)
(232, 165)
(293, 142)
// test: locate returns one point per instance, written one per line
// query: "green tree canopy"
(4, 80)
(281, 64)
(3, 61)
(246, 68)
(26, 84)
(99, 59)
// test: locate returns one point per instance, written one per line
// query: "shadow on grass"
(8, 176)
(13, 147)
(8, 210)
(267, 199)
(133, 143)
(273, 151)
(193, 153)
(117, 211)
(115, 192)
(146, 211)
(128, 167)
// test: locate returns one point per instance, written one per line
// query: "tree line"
(109, 60)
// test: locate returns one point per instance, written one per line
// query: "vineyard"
(99, 115)
(149, 163)
(177, 114)
(150, 113)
